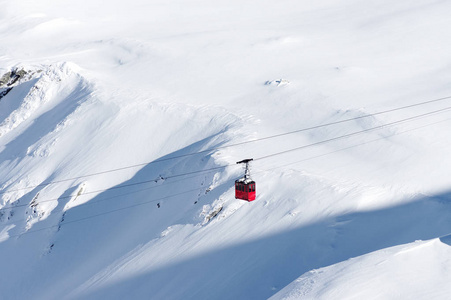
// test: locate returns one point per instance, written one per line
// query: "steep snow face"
(136, 112)
(417, 270)
(35, 113)
(68, 131)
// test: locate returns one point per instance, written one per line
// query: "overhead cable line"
(104, 213)
(225, 166)
(354, 133)
(231, 145)
(197, 189)
(350, 147)
(129, 185)
(92, 202)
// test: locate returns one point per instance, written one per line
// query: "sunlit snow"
(121, 123)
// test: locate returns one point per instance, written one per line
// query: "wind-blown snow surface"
(418, 270)
(135, 87)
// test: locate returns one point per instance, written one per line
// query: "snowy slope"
(122, 106)
(418, 270)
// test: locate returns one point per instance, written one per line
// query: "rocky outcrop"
(9, 79)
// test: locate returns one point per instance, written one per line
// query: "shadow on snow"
(258, 269)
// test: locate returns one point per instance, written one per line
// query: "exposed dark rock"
(4, 92)
(9, 79)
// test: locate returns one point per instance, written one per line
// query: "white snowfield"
(121, 124)
(418, 270)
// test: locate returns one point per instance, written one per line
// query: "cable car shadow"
(257, 269)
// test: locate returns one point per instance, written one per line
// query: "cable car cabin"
(245, 187)
(245, 190)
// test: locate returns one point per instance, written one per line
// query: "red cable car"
(245, 187)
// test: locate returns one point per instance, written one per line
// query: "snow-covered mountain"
(121, 124)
